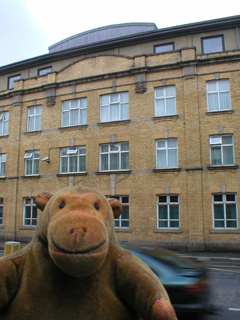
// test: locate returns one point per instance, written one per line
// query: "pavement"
(207, 257)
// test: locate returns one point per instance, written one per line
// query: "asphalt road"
(225, 289)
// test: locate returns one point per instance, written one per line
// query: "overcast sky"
(29, 27)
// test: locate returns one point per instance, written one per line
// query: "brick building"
(148, 115)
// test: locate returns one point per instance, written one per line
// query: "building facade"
(150, 116)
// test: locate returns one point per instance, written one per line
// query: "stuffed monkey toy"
(74, 268)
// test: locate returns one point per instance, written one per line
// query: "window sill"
(123, 230)
(71, 174)
(32, 133)
(224, 231)
(4, 136)
(114, 172)
(1, 226)
(170, 117)
(79, 126)
(28, 227)
(2, 178)
(30, 177)
(110, 123)
(210, 113)
(167, 170)
(222, 167)
(168, 230)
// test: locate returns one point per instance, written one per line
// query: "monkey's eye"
(62, 205)
(96, 206)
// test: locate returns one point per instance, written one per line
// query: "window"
(73, 160)
(114, 156)
(34, 118)
(44, 71)
(3, 158)
(74, 112)
(123, 220)
(114, 107)
(224, 210)
(11, 81)
(30, 212)
(165, 101)
(218, 95)
(166, 154)
(4, 117)
(166, 47)
(212, 44)
(1, 211)
(221, 150)
(32, 163)
(168, 211)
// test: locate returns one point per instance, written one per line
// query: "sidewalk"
(206, 256)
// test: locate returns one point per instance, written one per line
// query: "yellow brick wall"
(194, 182)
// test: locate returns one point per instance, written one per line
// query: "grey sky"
(29, 27)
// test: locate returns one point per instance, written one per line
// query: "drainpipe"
(238, 41)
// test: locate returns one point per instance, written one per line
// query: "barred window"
(74, 112)
(30, 212)
(168, 211)
(73, 160)
(224, 210)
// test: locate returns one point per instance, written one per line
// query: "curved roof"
(102, 34)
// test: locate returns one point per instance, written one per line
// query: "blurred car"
(186, 282)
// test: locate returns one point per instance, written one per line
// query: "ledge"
(32, 133)
(224, 231)
(109, 123)
(113, 172)
(2, 178)
(1, 226)
(71, 174)
(168, 117)
(167, 170)
(168, 231)
(222, 167)
(80, 126)
(211, 113)
(123, 230)
(4, 136)
(28, 228)
(30, 177)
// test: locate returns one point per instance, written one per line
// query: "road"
(225, 288)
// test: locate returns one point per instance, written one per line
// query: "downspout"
(238, 41)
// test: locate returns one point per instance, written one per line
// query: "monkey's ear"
(116, 207)
(42, 199)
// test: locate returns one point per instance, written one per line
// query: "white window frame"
(31, 158)
(81, 108)
(33, 212)
(37, 113)
(219, 142)
(218, 92)
(224, 202)
(167, 149)
(3, 160)
(11, 81)
(1, 211)
(110, 152)
(165, 97)
(168, 203)
(109, 104)
(4, 119)
(120, 220)
(72, 152)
